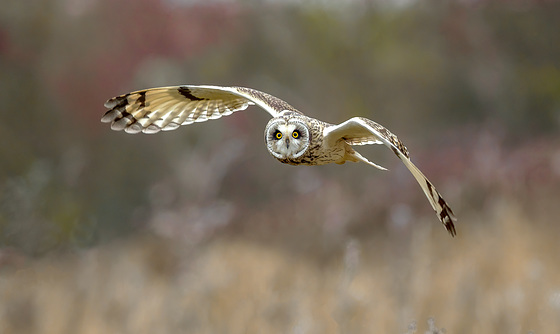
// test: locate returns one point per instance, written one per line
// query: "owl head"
(286, 138)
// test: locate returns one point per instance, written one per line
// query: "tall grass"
(501, 275)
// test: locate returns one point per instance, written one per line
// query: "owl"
(290, 136)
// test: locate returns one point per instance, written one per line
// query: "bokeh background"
(200, 230)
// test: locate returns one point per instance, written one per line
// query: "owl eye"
(278, 135)
(295, 134)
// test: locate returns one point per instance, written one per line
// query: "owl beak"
(287, 143)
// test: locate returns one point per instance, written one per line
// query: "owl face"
(286, 138)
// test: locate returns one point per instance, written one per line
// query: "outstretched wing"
(166, 108)
(359, 131)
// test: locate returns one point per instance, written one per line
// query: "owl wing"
(359, 131)
(166, 108)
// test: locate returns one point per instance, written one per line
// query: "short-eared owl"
(290, 136)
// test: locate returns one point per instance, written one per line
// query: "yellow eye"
(295, 134)
(278, 135)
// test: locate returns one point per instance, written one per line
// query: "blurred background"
(200, 230)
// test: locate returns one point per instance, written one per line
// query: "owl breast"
(318, 156)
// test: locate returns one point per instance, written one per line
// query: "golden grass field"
(501, 274)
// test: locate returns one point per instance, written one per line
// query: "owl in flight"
(290, 136)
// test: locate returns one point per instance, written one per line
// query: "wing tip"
(116, 112)
(447, 218)
(450, 227)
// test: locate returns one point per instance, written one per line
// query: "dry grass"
(498, 276)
